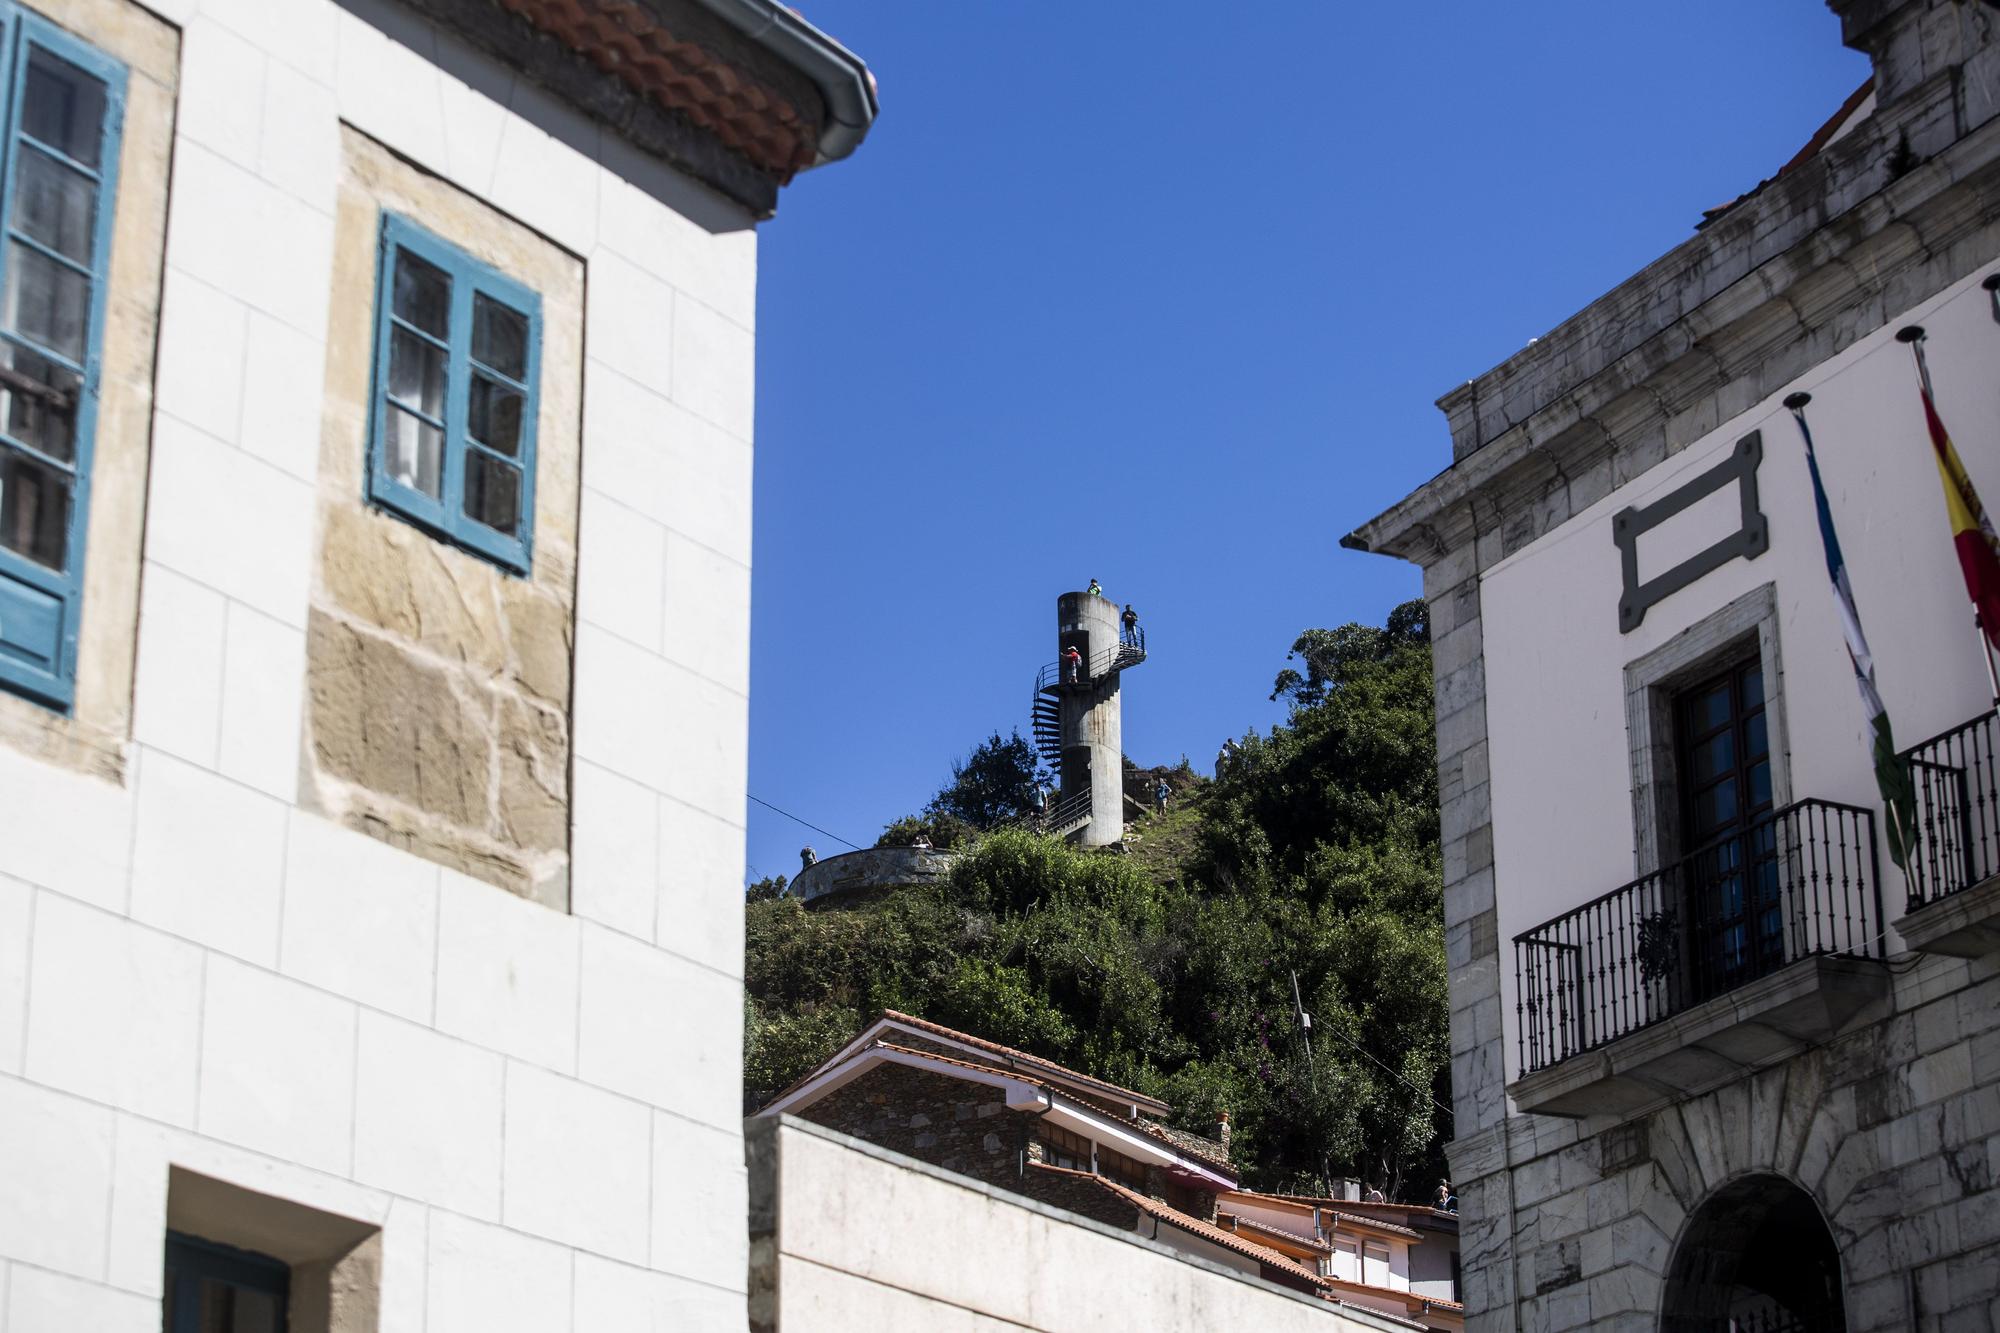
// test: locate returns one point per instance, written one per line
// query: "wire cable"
(808, 823)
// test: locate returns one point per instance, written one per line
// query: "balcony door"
(1730, 880)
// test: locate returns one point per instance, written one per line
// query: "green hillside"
(1168, 967)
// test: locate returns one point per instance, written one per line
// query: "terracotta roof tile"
(1241, 1223)
(1229, 1240)
(629, 41)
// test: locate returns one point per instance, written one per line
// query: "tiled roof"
(1139, 1099)
(1821, 138)
(1240, 1223)
(1228, 1240)
(629, 41)
(1352, 1210)
(1411, 1300)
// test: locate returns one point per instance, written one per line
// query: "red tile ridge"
(1229, 1240)
(1410, 1299)
(1292, 1237)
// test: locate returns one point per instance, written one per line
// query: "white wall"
(1561, 781)
(866, 1240)
(540, 1110)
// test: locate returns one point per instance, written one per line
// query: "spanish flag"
(1971, 530)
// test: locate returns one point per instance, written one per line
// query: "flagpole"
(1857, 648)
(1913, 335)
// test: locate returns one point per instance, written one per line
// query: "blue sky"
(1164, 295)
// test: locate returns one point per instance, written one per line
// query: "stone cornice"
(1806, 267)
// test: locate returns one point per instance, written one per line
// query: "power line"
(1393, 1073)
(808, 823)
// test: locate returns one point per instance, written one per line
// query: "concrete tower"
(1078, 727)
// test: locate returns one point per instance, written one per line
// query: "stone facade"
(439, 684)
(249, 992)
(1893, 1126)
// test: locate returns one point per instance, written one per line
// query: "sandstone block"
(406, 583)
(534, 776)
(398, 726)
(538, 631)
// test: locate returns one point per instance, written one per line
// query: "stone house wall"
(952, 1124)
(438, 715)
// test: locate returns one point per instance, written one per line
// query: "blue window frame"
(452, 415)
(61, 107)
(215, 1288)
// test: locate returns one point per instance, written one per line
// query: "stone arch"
(1755, 1253)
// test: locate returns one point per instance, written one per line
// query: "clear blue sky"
(1164, 295)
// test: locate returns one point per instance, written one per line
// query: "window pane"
(45, 301)
(492, 492)
(1711, 708)
(1714, 757)
(416, 373)
(413, 451)
(499, 337)
(34, 509)
(256, 1312)
(495, 415)
(63, 106)
(423, 294)
(55, 204)
(38, 401)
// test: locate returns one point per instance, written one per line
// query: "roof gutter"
(843, 79)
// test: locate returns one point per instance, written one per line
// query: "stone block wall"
(954, 1125)
(439, 684)
(1893, 1129)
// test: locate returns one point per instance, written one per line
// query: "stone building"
(375, 458)
(1027, 1126)
(1719, 1054)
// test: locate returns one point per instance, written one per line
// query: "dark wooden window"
(1723, 763)
(1063, 1148)
(219, 1289)
(1066, 1149)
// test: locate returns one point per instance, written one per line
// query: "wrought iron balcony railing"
(1799, 881)
(1957, 777)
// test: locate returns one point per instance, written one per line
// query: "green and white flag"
(1892, 775)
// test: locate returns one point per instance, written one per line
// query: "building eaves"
(1085, 1081)
(737, 96)
(1779, 284)
(1237, 1222)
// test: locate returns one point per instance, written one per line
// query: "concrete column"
(1093, 748)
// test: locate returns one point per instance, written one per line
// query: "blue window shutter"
(405, 246)
(41, 600)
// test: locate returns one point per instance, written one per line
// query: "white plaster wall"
(1555, 661)
(859, 1245)
(541, 1111)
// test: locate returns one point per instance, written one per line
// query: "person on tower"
(1072, 661)
(807, 857)
(1130, 623)
(1095, 589)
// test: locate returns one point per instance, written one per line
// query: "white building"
(1715, 1056)
(375, 459)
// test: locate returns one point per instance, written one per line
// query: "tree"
(1315, 855)
(995, 784)
(765, 889)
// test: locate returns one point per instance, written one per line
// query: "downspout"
(845, 84)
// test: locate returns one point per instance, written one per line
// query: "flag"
(1892, 775)
(1971, 530)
